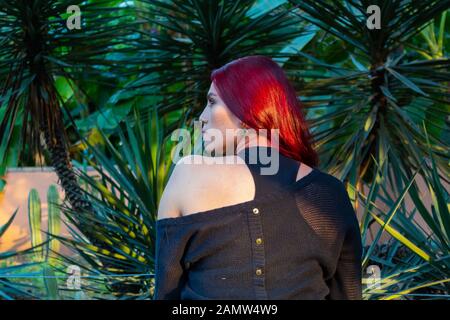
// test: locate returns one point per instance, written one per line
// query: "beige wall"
(15, 196)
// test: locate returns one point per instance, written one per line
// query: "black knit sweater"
(294, 240)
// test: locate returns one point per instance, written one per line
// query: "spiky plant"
(36, 45)
(124, 193)
(375, 96)
(415, 262)
(12, 273)
(181, 42)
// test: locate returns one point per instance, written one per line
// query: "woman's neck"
(252, 141)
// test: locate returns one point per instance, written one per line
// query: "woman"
(230, 231)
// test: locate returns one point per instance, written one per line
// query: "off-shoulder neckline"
(239, 207)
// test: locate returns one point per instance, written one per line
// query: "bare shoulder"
(197, 178)
(168, 206)
(303, 171)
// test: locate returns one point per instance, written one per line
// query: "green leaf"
(406, 81)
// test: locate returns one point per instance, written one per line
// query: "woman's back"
(223, 181)
(294, 240)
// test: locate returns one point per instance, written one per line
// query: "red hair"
(258, 92)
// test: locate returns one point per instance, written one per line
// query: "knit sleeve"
(346, 284)
(170, 273)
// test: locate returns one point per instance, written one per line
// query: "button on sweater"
(297, 239)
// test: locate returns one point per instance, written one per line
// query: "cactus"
(54, 217)
(34, 219)
(54, 227)
(51, 283)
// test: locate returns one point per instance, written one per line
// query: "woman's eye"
(211, 101)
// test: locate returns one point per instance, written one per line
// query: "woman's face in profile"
(216, 119)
